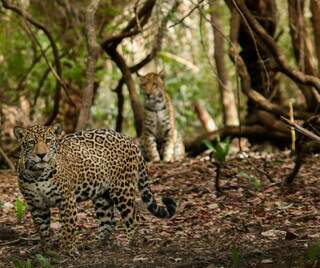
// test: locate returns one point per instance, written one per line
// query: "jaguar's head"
(152, 87)
(38, 145)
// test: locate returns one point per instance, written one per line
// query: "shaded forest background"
(232, 67)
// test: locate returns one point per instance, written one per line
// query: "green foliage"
(20, 209)
(219, 150)
(44, 262)
(29, 263)
(18, 263)
(254, 181)
(313, 252)
(235, 256)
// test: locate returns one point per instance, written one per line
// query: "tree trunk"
(302, 48)
(93, 50)
(228, 102)
(256, 58)
(315, 20)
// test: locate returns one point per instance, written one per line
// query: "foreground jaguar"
(101, 165)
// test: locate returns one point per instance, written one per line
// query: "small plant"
(20, 209)
(220, 150)
(235, 256)
(313, 252)
(218, 153)
(44, 262)
(254, 181)
(22, 264)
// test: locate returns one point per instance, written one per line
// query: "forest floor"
(254, 223)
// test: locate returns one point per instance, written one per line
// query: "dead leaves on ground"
(255, 220)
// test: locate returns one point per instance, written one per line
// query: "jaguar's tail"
(147, 196)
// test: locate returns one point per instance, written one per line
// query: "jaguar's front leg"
(150, 146)
(41, 220)
(68, 216)
(168, 151)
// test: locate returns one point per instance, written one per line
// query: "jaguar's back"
(98, 154)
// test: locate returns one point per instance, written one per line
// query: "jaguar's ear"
(139, 75)
(161, 74)
(57, 129)
(19, 132)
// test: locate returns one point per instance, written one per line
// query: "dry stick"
(7, 159)
(93, 51)
(302, 130)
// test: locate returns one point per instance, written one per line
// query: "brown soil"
(248, 225)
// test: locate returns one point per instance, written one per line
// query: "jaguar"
(160, 139)
(99, 165)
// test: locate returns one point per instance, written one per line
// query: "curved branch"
(255, 96)
(279, 57)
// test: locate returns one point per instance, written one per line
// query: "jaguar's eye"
(31, 142)
(48, 140)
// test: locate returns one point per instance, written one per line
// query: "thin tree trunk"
(315, 20)
(228, 102)
(93, 50)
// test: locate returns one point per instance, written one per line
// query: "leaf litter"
(254, 222)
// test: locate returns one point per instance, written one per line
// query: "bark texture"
(93, 51)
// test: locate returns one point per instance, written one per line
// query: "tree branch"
(255, 96)
(279, 57)
(57, 73)
(142, 16)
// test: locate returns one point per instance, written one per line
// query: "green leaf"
(20, 209)
(220, 150)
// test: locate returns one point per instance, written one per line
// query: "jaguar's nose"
(41, 156)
